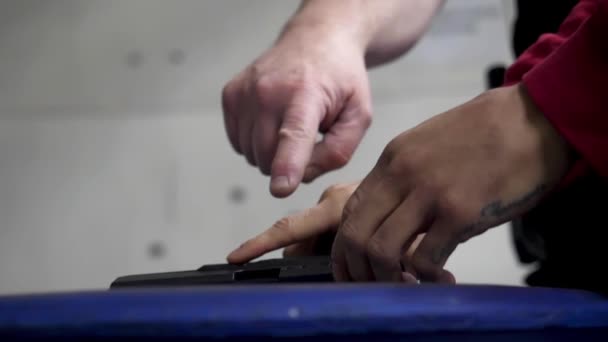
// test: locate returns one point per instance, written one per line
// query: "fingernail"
(280, 183)
(408, 278)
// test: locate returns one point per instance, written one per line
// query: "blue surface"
(344, 312)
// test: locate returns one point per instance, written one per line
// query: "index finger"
(287, 231)
(296, 139)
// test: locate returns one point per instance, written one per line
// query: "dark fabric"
(567, 235)
(537, 17)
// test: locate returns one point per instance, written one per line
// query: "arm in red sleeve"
(566, 76)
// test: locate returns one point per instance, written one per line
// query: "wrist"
(557, 154)
(328, 22)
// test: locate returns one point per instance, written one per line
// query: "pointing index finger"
(296, 139)
(287, 231)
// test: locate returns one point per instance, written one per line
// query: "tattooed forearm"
(492, 212)
(497, 209)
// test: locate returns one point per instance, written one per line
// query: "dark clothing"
(537, 17)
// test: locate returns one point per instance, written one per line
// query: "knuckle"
(298, 77)
(389, 153)
(294, 132)
(339, 156)
(351, 206)
(284, 228)
(366, 118)
(297, 82)
(266, 86)
(351, 237)
(401, 156)
(377, 252)
(450, 206)
(265, 91)
(400, 166)
(391, 148)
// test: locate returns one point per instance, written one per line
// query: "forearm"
(383, 30)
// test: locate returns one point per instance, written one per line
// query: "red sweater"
(566, 75)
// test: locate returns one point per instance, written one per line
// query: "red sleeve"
(566, 75)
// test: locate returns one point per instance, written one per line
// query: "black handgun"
(315, 269)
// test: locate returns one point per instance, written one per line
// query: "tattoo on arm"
(494, 211)
(497, 209)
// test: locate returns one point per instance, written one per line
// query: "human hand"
(303, 233)
(311, 81)
(300, 232)
(451, 178)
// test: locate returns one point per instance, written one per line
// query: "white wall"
(112, 142)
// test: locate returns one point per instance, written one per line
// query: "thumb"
(296, 140)
(340, 142)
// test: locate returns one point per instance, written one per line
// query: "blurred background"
(113, 156)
